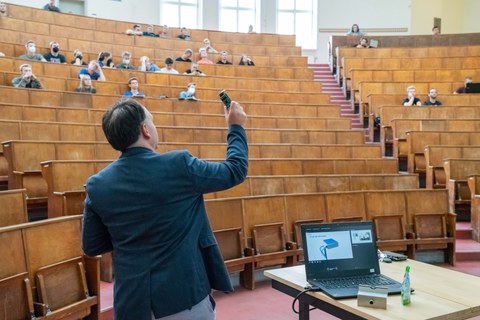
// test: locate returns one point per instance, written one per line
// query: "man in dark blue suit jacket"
(148, 208)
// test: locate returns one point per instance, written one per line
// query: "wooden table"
(439, 293)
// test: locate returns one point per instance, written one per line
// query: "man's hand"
(235, 114)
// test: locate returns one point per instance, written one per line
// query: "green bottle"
(405, 293)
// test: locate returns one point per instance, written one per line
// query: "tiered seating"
(300, 147)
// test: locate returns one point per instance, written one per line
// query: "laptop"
(472, 87)
(341, 256)
(373, 43)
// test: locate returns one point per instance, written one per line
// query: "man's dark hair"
(169, 61)
(121, 123)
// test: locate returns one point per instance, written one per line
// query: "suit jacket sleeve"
(95, 239)
(217, 176)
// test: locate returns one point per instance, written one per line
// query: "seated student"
(53, 55)
(27, 78)
(78, 58)
(464, 88)
(164, 33)
(208, 46)
(223, 58)
(135, 31)
(103, 56)
(435, 30)
(411, 100)
(194, 71)
(149, 32)
(125, 62)
(169, 67)
(363, 43)
(355, 31)
(2, 54)
(3, 9)
(31, 52)
(147, 65)
(187, 54)
(50, 6)
(184, 34)
(93, 70)
(189, 94)
(86, 85)
(250, 29)
(432, 98)
(246, 61)
(204, 57)
(133, 84)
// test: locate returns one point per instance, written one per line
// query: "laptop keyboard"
(349, 282)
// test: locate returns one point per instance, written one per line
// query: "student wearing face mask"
(190, 93)
(53, 55)
(31, 52)
(125, 62)
(78, 58)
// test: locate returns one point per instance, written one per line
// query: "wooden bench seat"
(400, 63)
(418, 140)
(375, 101)
(366, 88)
(207, 93)
(412, 76)
(32, 248)
(173, 111)
(24, 159)
(247, 212)
(286, 184)
(435, 156)
(14, 207)
(457, 172)
(64, 71)
(388, 113)
(401, 126)
(406, 47)
(474, 186)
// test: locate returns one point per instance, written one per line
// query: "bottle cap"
(407, 269)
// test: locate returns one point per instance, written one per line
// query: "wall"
(450, 11)
(377, 17)
(471, 20)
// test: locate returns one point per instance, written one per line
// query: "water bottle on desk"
(405, 293)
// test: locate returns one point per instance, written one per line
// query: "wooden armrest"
(290, 245)
(248, 252)
(69, 192)
(41, 308)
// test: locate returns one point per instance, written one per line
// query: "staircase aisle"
(322, 73)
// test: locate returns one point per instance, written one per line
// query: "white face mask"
(126, 61)
(191, 91)
(32, 49)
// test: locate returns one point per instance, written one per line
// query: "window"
(237, 15)
(180, 13)
(299, 18)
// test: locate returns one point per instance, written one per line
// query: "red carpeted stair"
(322, 73)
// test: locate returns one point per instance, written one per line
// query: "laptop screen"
(339, 250)
(472, 87)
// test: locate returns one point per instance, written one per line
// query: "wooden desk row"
(403, 205)
(113, 26)
(41, 276)
(62, 34)
(206, 93)
(404, 46)
(387, 113)
(426, 63)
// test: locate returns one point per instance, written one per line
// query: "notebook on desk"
(341, 256)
